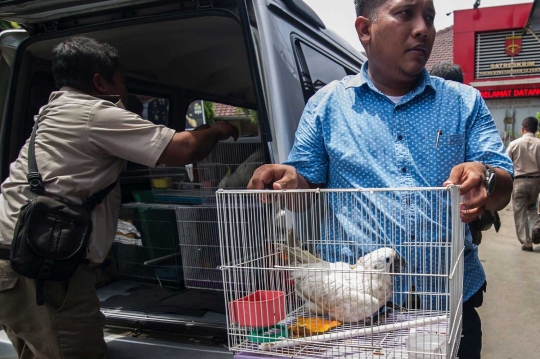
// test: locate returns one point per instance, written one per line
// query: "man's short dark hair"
(448, 71)
(77, 59)
(367, 8)
(530, 124)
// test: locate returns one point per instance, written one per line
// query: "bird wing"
(335, 289)
(298, 257)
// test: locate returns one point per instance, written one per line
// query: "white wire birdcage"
(198, 235)
(371, 273)
(230, 165)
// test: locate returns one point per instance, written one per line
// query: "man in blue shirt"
(393, 125)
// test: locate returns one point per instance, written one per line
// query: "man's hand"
(192, 146)
(276, 177)
(225, 130)
(472, 178)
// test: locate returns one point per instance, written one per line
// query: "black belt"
(4, 253)
(526, 177)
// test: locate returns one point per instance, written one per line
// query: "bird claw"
(379, 317)
(375, 320)
(394, 306)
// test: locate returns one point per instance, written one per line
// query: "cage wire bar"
(178, 242)
(146, 247)
(371, 273)
(170, 245)
(198, 235)
(229, 166)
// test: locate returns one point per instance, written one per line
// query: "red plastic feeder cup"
(261, 309)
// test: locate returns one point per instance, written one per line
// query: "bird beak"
(399, 264)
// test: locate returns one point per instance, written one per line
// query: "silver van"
(252, 62)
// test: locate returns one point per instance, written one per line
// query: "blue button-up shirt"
(353, 136)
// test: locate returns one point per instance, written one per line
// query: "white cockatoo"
(344, 292)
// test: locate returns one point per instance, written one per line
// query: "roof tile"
(443, 48)
(222, 110)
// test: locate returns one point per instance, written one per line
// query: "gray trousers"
(525, 211)
(69, 325)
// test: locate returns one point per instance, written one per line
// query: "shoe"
(536, 236)
(527, 248)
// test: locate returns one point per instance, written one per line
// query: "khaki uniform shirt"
(82, 144)
(525, 153)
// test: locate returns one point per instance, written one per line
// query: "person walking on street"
(525, 153)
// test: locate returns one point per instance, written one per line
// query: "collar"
(363, 80)
(111, 98)
(528, 134)
(72, 89)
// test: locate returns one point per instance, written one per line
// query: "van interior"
(163, 269)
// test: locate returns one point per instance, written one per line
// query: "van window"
(207, 112)
(153, 109)
(322, 69)
(197, 113)
(316, 68)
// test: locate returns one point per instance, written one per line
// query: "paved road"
(511, 310)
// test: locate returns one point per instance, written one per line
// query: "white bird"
(344, 292)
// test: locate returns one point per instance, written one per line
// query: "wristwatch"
(491, 179)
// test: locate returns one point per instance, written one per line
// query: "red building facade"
(502, 61)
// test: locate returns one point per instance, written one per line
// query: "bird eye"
(387, 260)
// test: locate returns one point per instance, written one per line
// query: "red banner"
(511, 93)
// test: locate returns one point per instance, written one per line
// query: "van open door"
(9, 42)
(174, 54)
(298, 56)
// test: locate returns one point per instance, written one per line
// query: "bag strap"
(36, 182)
(95, 199)
(34, 177)
(45, 272)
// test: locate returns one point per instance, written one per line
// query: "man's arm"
(123, 134)
(472, 178)
(510, 150)
(192, 146)
(483, 145)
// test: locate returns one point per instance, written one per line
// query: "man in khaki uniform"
(84, 138)
(525, 153)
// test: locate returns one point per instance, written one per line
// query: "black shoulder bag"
(51, 237)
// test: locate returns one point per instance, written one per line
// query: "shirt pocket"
(442, 156)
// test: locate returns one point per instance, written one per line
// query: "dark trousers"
(471, 337)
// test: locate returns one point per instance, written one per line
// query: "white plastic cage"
(372, 273)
